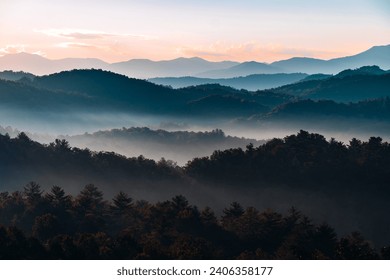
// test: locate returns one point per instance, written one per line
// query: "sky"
(244, 30)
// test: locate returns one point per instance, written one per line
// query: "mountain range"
(97, 99)
(197, 67)
(252, 82)
(101, 90)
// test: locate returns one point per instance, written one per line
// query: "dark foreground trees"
(54, 225)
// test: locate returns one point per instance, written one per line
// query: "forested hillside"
(346, 185)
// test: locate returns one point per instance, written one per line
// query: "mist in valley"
(157, 137)
(179, 142)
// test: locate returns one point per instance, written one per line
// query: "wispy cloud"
(11, 49)
(83, 34)
(75, 45)
(252, 51)
(198, 52)
(40, 53)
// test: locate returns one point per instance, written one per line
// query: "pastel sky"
(241, 30)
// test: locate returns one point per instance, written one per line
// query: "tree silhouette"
(33, 192)
(90, 206)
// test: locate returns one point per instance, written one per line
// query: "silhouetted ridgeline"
(23, 158)
(301, 160)
(295, 160)
(347, 86)
(54, 225)
(376, 109)
(251, 82)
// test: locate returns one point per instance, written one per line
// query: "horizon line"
(183, 57)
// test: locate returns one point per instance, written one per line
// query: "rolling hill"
(145, 68)
(102, 91)
(242, 69)
(347, 86)
(252, 82)
(14, 76)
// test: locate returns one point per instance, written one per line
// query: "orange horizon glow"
(265, 55)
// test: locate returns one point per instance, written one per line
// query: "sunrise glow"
(218, 30)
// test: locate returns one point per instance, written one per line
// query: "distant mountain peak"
(379, 47)
(254, 63)
(195, 58)
(24, 55)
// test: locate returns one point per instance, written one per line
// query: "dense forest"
(297, 160)
(55, 225)
(345, 185)
(22, 158)
(302, 160)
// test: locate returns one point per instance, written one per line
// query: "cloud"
(198, 52)
(79, 35)
(11, 49)
(252, 51)
(83, 34)
(219, 49)
(76, 45)
(73, 33)
(40, 53)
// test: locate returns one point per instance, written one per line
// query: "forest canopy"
(55, 225)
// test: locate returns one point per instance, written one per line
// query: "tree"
(122, 203)
(60, 145)
(180, 202)
(90, 200)
(191, 248)
(208, 217)
(58, 199)
(33, 192)
(122, 212)
(355, 247)
(46, 226)
(231, 216)
(90, 208)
